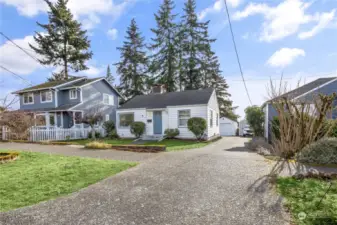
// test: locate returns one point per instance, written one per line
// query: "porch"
(59, 119)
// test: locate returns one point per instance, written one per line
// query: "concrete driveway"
(219, 184)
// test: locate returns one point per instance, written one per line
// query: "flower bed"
(8, 156)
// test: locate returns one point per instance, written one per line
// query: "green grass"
(113, 142)
(36, 177)
(177, 145)
(305, 195)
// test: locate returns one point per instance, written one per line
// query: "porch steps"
(152, 137)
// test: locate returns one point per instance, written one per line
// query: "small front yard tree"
(18, 122)
(197, 126)
(255, 119)
(137, 128)
(92, 117)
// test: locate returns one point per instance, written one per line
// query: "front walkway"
(218, 184)
(77, 150)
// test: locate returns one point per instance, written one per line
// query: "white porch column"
(74, 119)
(47, 119)
(62, 119)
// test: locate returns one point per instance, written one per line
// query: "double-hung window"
(28, 98)
(125, 119)
(211, 118)
(73, 94)
(46, 96)
(183, 116)
(108, 99)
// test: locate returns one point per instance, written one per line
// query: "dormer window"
(46, 96)
(73, 94)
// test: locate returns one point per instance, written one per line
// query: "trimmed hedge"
(172, 133)
(197, 126)
(137, 128)
(324, 151)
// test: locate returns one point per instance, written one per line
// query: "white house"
(161, 111)
(228, 127)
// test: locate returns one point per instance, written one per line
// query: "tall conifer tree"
(63, 42)
(109, 76)
(133, 65)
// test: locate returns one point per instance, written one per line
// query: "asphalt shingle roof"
(49, 84)
(64, 107)
(81, 82)
(152, 101)
(307, 87)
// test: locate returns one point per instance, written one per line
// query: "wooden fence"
(54, 133)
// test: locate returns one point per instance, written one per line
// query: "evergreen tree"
(193, 46)
(109, 76)
(62, 43)
(164, 61)
(133, 65)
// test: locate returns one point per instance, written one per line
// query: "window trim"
(109, 96)
(119, 119)
(23, 98)
(107, 116)
(189, 111)
(74, 89)
(51, 100)
(211, 118)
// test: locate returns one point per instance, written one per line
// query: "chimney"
(158, 89)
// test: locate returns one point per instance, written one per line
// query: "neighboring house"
(161, 111)
(60, 103)
(307, 93)
(228, 127)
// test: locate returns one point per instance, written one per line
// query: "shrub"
(171, 133)
(333, 132)
(137, 128)
(255, 119)
(197, 126)
(113, 134)
(324, 151)
(109, 126)
(275, 127)
(97, 145)
(97, 135)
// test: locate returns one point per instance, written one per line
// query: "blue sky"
(297, 37)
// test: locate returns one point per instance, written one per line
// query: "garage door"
(227, 129)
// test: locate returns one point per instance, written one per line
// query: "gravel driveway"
(218, 184)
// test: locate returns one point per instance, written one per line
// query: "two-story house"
(60, 103)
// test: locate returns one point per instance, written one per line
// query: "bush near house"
(197, 126)
(97, 135)
(255, 119)
(137, 128)
(109, 126)
(324, 151)
(171, 133)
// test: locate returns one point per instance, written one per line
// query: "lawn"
(176, 145)
(171, 145)
(36, 177)
(304, 196)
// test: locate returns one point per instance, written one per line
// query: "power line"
(236, 52)
(16, 75)
(25, 51)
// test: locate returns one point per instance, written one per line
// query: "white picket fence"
(55, 134)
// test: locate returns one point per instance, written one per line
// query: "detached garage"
(227, 127)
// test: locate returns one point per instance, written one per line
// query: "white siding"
(228, 127)
(172, 121)
(213, 105)
(139, 115)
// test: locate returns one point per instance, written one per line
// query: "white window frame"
(211, 118)
(51, 96)
(107, 117)
(184, 118)
(119, 119)
(28, 94)
(70, 94)
(111, 100)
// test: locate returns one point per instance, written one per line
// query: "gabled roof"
(48, 85)
(81, 83)
(156, 101)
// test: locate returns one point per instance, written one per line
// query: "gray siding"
(93, 97)
(64, 97)
(37, 102)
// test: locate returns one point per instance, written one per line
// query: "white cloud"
(285, 57)
(324, 20)
(93, 71)
(86, 11)
(285, 19)
(218, 6)
(113, 33)
(15, 59)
